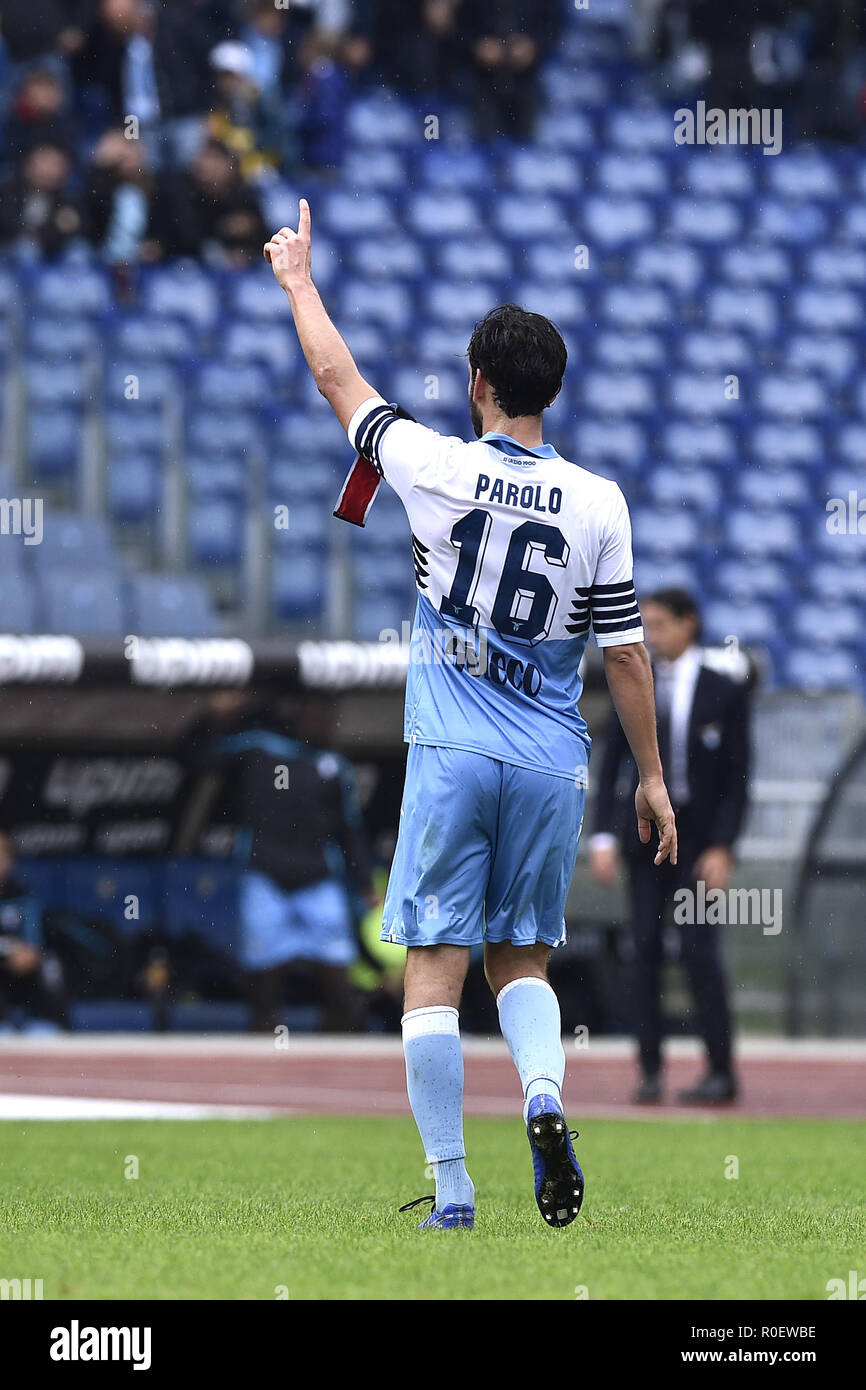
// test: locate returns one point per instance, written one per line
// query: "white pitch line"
(34, 1107)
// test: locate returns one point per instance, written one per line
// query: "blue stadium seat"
(626, 393)
(701, 394)
(163, 605)
(627, 351)
(622, 442)
(666, 532)
(226, 385)
(451, 166)
(487, 258)
(533, 178)
(778, 220)
(720, 352)
(18, 597)
(777, 534)
(750, 622)
(373, 168)
(833, 357)
(127, 893)
(145, 336)
(789, 443)
(299, 579)
(183, 291)
(388, 258)
(750, 264)
(631, 175)
(784, 488)
(566, 130)
(217, 475)
(388, 304)
(679, 266)
(836, 266)
(710, 222)
(827, 310)
(817, 671)
(274, 344)
(51, 336)
(54, 442)
(134, 486)
(615, 222)
(717, 174)
(697, 488)
(637, 307)
(200, 897)
(827, 624)
(84, 604)
(216, 531)
(344, 214)
(791, 397)
(640, 128)
(381, 119)
(700, 441)
(804, 174)
(72, 542)
(211, 430)
(70, 291)
(752, 310)
(743, 580)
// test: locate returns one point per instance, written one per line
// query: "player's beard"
(475, 417)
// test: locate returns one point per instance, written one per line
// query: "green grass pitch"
(307, 1209)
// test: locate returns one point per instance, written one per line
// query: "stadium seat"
(84, 604)
(163, 605)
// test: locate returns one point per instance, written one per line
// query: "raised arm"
(630, 681)
(328, 358)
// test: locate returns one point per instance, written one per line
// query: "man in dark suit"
(702, 718)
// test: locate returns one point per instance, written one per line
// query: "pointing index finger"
(304, 219)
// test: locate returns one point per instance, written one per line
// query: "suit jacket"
(718, 759)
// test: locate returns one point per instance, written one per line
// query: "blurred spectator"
(421, 52)
(300, 837)
(38, 208)
(36, 28)
(206, 211)
(506, 43)
(248, 121)
(31, 980)
(151, 60)
(38, 115)
(265, 33)
(323, 103)
(116, 199)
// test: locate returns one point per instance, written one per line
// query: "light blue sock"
(434, 1078)
(531, 1025)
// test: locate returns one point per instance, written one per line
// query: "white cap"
(232, 57)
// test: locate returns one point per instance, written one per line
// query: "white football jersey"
(518, 554)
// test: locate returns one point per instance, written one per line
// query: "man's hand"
(653, 806)
(714, 867)
(23, 958)
(290, 253)
(604, 863)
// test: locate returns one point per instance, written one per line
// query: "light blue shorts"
(312, 923)
(485, 852)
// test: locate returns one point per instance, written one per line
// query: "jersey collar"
(512, 449)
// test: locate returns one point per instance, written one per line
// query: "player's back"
(517, 552)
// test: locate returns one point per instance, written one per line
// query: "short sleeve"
(613, 608)
(402, 451)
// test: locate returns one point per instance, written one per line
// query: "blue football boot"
(448, 1219)
(558, 1180)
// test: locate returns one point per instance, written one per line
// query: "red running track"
(352, 1078)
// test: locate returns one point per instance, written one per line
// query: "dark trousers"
(652, 890)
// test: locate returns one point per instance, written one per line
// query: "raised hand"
(289, 253)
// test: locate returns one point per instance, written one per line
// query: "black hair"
(523, 357)
(679, 602)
